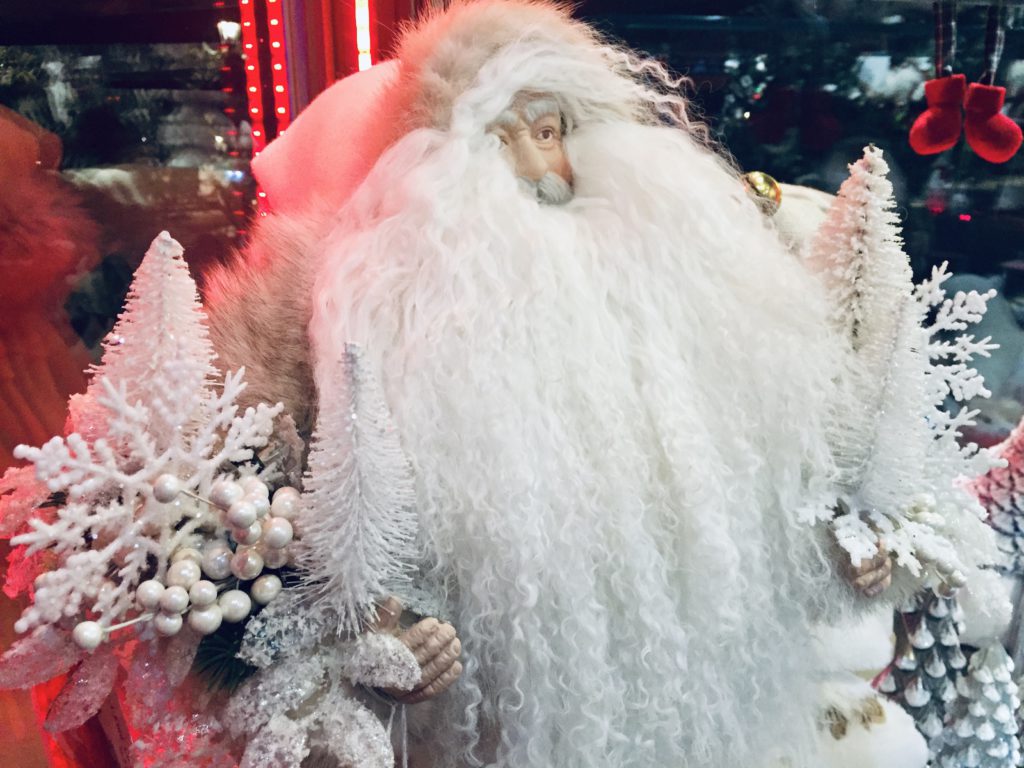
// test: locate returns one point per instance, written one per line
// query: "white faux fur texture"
(894, 742)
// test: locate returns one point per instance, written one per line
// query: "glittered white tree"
(895, 445)
(357, 517)
(983, 731)
(162, 322)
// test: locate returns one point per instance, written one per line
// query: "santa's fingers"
(880, 586)
(440, 684)
(427, 639)
(870, 566)
(419, 633)
(866, 577)
(880, 561)
(440, 664)
(873, 582)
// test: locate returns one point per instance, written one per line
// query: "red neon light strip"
(253, 88)
(363, 38)
(278, 64)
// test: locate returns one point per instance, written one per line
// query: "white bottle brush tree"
(895, 445)
(358, 520)
(358, 523)
(358, 516)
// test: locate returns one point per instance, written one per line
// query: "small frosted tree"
(895, 445)
(159, 351)
(358, 517)
(983, 730)
(928, 663)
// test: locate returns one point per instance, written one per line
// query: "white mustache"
(551, 189)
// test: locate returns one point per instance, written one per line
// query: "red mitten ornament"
(938, 127)
(992, 135)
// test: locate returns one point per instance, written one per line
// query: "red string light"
(278, 64)
(253, 87)
(363, 38)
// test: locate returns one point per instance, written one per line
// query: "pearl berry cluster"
(192, 588)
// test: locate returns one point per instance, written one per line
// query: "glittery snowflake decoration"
(153, 433)
(895, 443)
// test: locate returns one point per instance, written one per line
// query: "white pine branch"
(358, 517)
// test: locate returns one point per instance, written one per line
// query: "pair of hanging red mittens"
(992, 135)
(938, 127)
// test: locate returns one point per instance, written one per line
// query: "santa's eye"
(547, 134)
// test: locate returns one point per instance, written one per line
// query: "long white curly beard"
(615, 413)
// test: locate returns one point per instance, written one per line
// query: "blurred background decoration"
(125, 117)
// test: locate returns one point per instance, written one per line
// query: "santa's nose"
(530, 163)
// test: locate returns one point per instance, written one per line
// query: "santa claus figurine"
(611, 379)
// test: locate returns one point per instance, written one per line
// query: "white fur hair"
(616, 412)
(442, 55)
(592, 83)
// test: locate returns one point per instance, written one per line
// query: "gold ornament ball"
(765, 190)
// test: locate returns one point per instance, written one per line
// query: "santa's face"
(531, 131)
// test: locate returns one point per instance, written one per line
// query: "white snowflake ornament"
(160, 429)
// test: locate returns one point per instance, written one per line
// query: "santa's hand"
(870, 577)
(433, 643)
